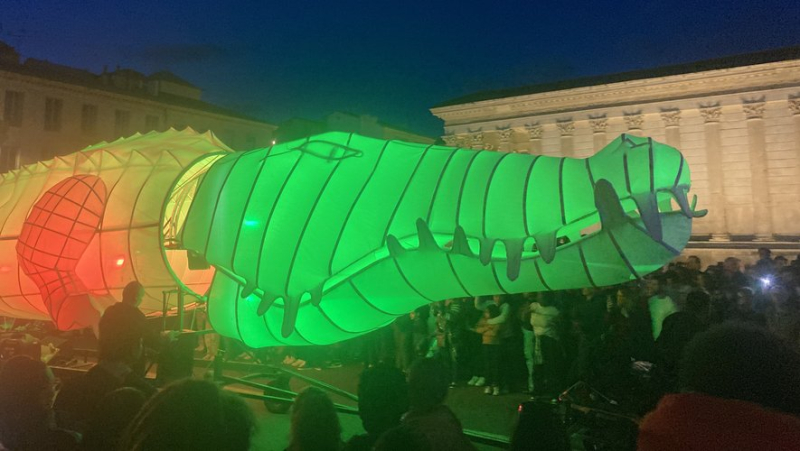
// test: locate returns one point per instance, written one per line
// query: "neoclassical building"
(736, 119)
(48, 109)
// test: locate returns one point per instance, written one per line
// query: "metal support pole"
(180, 309)
(164, 308)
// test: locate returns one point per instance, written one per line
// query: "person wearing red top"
(740, 391)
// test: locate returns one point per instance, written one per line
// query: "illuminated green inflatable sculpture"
(326, 238)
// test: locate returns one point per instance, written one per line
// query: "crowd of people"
(719, 346)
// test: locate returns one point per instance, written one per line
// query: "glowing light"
(120, 262)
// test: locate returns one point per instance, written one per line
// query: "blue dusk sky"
(393, 60)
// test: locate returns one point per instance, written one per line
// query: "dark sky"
(394, 60)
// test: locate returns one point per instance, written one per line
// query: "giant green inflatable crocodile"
(325, 238)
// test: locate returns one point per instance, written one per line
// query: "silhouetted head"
(133, 293)
(736, 361)
(315, 424)
(382, 398)
(191, 415)
(111, 416)
(403, 438)
(26, 396)
(428, 382)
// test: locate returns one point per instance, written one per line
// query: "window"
(150, 122)
(13, 108)
(122, 122)
(52, 114)
(89, 118)
(9, 158)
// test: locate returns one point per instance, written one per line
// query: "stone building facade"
(736, 120)
(48, 109)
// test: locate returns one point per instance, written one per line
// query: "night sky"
(394, 60)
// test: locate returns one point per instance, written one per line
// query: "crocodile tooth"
(648, 210)
(697, 213)
(513, 257)
(487, 246)
(426, 240)
(608, 205)
(683, 202)
(290, 307)
(394, 246)
(249, 288)
(316, 295)
(460, 243)
(546, 244)
(265, 304)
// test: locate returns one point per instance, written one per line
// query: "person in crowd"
(428, 383)
(113, 415)
(505, 341)
(731, 275)
(491, 345)
(548, 355)
(780, 262)
(734, 396)
(694, 264)
(765, 266)
(527, 335)
(26, 414)
(659, 303)
(454, 338)
(315, 424)
(745, 309)
(402, 438)
(678, 330)
(382, 401)
(783, 314)
(122, 331)
(402, 329)
(538, 427)
(191, 415)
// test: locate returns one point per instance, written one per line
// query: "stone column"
(567, 128)
(599, 125)
(535, 135)
(794, 107)
(757, 143)
(716, 186)
(672, 119)
(634, 122)
(505, 139)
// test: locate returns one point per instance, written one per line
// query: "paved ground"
(492, 414)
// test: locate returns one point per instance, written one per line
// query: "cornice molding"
(635, 91)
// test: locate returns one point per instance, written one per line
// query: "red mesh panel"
(55, 235)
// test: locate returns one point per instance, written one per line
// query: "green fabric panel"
(365, 229)
(230, 209)
(504, 214)
(448, 192)
(476, 184)
(543, 198)
(265, 192)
